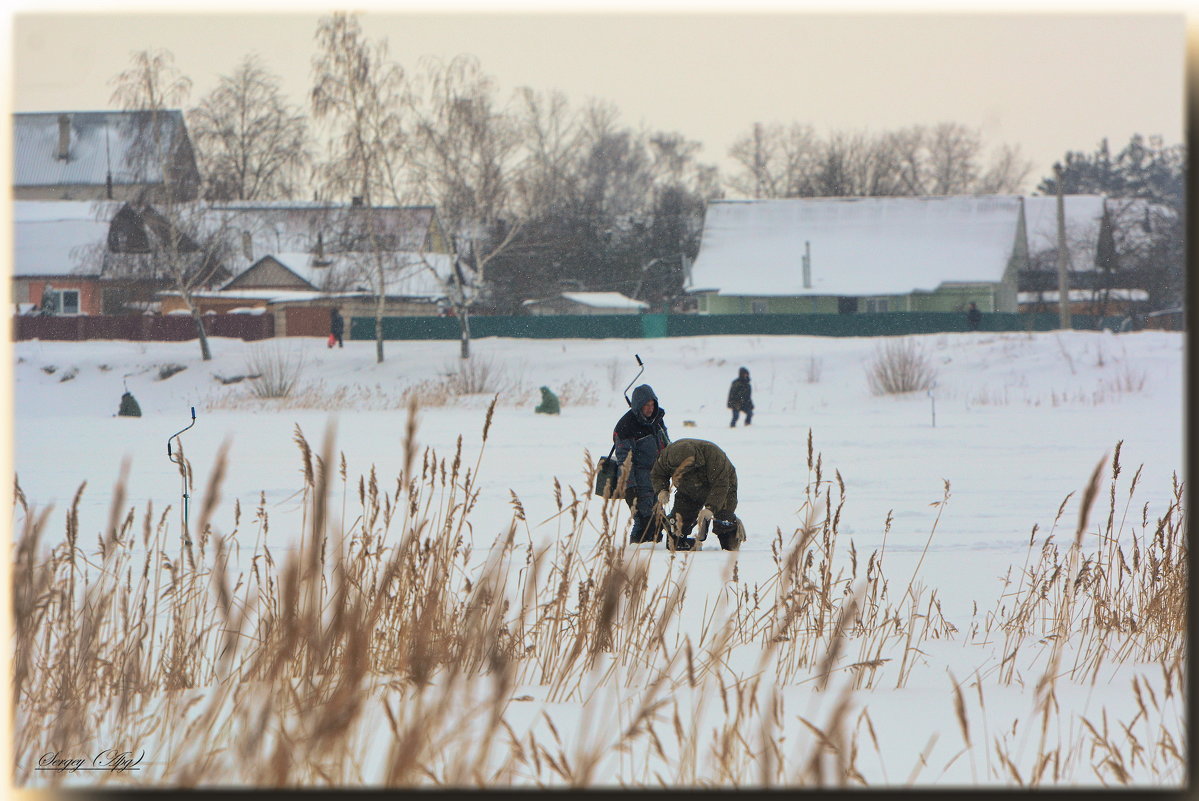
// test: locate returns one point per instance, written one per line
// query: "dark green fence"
(638, 326)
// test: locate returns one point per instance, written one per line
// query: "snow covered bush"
(274, 369)
(900, 366)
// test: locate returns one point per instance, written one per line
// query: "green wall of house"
(945, 299)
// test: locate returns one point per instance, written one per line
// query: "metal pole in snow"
(641, 364)
(182, 472)
(933, 402)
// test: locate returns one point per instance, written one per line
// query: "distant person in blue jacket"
(641, 431)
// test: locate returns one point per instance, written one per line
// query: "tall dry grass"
(900, 365)
(380, 649)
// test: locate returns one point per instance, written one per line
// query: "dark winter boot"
(731, 533)
(680, 544)
(642, 531)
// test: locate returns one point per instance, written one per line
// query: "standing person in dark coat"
(705, 484)
(740, 397)
(337, 327)
(973, 316)
(642, 433)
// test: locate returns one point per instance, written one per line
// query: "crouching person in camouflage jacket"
(705, 492)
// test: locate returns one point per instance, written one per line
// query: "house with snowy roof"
(586, 303)
(297, 260)
(73, 257)
(103, 155)
(868, 254)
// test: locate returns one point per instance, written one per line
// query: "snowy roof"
(605, 300)
(410, 275)
(1083, 215)
(290, 227)
(266, 295)
(859, 246)
(100, 141)
(60, 237)
(1083, 295)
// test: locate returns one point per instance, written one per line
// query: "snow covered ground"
(1012, 430)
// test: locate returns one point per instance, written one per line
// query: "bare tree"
(777, 161)
(464, 151)
(1007, 172)
(252, 143)
(358, 91)
(182, 247)
(549, 131)
(943, 160)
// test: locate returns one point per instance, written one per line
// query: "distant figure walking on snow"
(973, 316)
(740, 397)
(337, 327)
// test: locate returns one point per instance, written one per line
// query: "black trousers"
(647, 526)
(749, 415)
(724, 523)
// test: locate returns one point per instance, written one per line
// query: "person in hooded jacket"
(741, 397)
(705, 483)
(641, 432)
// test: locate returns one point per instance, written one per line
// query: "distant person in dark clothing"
(973, 316)
(740, 398)
(642, 433)
(337, 327)
(129, 406)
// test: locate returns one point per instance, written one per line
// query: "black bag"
(607, 474)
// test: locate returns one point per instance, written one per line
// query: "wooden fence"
(142, 327)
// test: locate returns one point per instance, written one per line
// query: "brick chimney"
(64, 136)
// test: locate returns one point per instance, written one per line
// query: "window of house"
(847, 305)
(68, 301)
(876, 305)
(61, 301)
(758, 307)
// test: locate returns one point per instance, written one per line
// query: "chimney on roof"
(64, 137)
(807, 265)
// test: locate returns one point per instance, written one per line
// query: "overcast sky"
(1046, 82)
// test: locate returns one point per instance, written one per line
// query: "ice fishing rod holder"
(178, 459)
(640, 364)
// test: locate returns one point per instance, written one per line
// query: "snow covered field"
(945, 486)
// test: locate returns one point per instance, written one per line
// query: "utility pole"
(1063, 276)
(759, 162)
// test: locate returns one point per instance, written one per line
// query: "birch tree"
(252, 144)
(358, 92)
(464, 157)
(183, 247)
